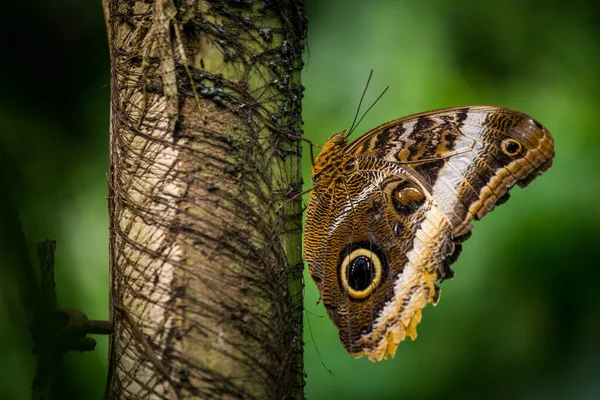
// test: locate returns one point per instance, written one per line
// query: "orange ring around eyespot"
(361, 294)
(511, 141)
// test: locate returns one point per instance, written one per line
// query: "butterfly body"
(389, 211)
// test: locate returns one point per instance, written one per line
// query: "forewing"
(462, 155)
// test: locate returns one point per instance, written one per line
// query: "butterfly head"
(337, 139)
(329, 159)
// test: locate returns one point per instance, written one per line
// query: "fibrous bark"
(206, 267)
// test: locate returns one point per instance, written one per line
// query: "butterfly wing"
(468, 157)
(374, 257)
(386, 217)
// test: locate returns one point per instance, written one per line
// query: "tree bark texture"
(205, 251)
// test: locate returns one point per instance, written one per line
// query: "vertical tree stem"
(206, 268)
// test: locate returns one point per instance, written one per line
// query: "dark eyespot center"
(360, 273)
(511, 147)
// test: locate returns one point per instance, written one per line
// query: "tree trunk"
(205, 251)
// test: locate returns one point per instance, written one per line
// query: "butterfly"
(389, 211)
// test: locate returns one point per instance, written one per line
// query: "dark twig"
(47, 307)
(57, 331)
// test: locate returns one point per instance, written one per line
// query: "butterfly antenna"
(368, 109)
(360, 102)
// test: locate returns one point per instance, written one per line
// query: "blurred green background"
(521, 319)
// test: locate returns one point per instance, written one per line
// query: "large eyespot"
(407, 198)
(511, 147)
(361, 273)
(362, 268)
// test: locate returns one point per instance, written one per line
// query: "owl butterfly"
(389, 211)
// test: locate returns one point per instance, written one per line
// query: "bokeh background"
(521, 319)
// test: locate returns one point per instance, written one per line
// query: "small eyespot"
(360, 273)
(407, 198)
(511, 147)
